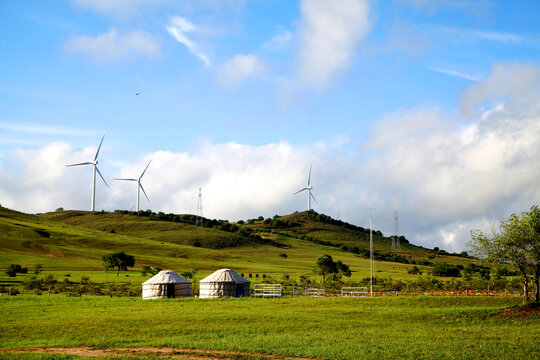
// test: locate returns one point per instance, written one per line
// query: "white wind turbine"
(94, 163)
(308, 188)
(139, 185)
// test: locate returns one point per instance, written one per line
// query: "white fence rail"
(267, 290)
(314, 292)
(354, 291)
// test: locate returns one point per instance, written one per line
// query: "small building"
(166, 284)
(224, 283)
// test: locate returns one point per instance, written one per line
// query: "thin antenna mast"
(371, 252)
(199, 221)
(395, 239)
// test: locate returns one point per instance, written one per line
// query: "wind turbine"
(139, 185)
(308, 188)
(94, 163)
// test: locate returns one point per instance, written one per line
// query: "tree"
(517, 244)
(118, 260)
(38, 269)
(325, 265)
(14, 269)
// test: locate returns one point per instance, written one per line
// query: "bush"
(14, 269)
(415, 270)
(283, 255)
(444, 269)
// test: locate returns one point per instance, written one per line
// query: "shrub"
(415, 270)
(444, 269)
(14, 269)
(283, 255)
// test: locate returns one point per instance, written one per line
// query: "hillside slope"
(74, 242)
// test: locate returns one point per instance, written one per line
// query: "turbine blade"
(127, 179)
(102, 178)
(99, 147)
(309, 177)
(144, 192)
(84, 163)
(300, 191)
(313, 197)
(145, 170)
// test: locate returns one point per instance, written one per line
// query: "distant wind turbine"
(94, 163)
(308, 188)
(139, 185)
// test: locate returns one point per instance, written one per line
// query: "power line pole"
(395, 239)
(371, 252)
(199, 220)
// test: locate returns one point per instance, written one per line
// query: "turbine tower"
(395, 239)
(308, 188)
(139, 185)
(94, 163)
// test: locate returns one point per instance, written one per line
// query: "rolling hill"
(73, 242)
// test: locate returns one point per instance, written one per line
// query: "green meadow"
(326, 328)
(72, 243)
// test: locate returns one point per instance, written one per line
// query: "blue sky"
(427, 107)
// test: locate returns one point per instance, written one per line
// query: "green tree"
(118, 260)
(325, 265)
(517, 244)
(13, 269)
(38, 269)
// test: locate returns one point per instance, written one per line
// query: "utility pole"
(199, 221)
(371, 252)
(395, 239)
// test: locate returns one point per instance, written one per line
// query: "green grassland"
(70, 244)
(329, 328)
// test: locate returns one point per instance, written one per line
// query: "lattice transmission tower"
(199, 221)
(395, 239)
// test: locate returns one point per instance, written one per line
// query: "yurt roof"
(225, 275)
(166, 277)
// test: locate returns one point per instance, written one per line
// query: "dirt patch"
(520, 311)
(157, 352)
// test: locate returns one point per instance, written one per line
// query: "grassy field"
(74, 242)
(326, 328)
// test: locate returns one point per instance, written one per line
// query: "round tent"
(223, 283)
(166, 284)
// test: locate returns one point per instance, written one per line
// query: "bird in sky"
(137, 93)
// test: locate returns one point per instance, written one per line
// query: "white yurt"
(223, 283)
(166, 284)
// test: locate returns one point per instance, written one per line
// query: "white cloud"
(178, 28)
(451, 176)
(120, 8)
(329, 31)
(457, 73)
(514, 80)
(467, 35)
(43, 129)
(239, 69)
(279, 42)
(114, 46)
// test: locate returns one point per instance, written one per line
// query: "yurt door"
(239, 290)
(170, 291)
